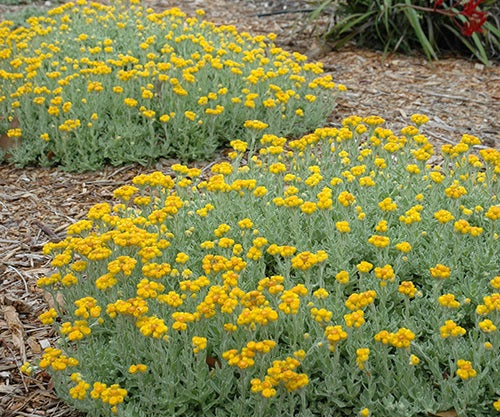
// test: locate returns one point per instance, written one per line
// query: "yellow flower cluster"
(78, 392)
(244, 359)
(385, 273)
(87, 307)
(112, 395)
(362, 355)
(26, 368)
(134, 307)
(440, 271)
(76, 330)
(491, 304)
(199, 343)
(358, 301)
(56, 360)
(282, 371)
(152, 326)
(407, 288)
(355, 319)
(487, 326)
(255, 124)
(140, 367)
(451, 329)
(290, 302)
(321, 315)
(48, 316)
(401, 339)
(448, 300)
(465, 369)
(334, 334)
(306, 260)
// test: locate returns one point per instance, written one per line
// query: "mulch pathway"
(37, 204)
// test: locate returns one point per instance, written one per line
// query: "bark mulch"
(37, 204)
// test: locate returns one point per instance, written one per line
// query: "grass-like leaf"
(413, 18)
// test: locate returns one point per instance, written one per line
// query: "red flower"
(472, 26)
(470, 9)
(475, 17)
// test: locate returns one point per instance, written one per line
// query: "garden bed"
(38, 204)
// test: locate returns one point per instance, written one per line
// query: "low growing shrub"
(92, 84)
(341, 273)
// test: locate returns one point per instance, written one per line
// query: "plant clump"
(467, 27)
(341, 273)
(88, 84)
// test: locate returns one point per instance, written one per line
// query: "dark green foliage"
(408, 26)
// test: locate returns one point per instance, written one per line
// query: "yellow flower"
(413, 169)
(320, 293)
(455, 190)
(419, 119)
(414, 360)
(365, 412)
(26, 368)
(362, 355)
(182, 258)
(355, 319)
(387, 205)
(308, 207)
(440, 271)
(407, 288)
(130, 102)
(364, 267)
(496, 404)
(493, 213)
(462, 226)
(487, 326)
(79, 392)
(140, 367)
(343, 227)
(381, 226)
(436, 176)
(321, 315)
(199, 343)
(465, 369)
(379, 241)
(239, 145)
(451, 329)
(403, 247)
(190, 115)
(342, 277)
(14, 133)
(48, 317)
(401, 339)
(443, 216)
(495, 282)
(246, 223)
(385, 273)
(448, 300)
(255, 124)
(346, 198)
(334, 334)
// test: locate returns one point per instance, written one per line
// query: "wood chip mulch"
(37, 205)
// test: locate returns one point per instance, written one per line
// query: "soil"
(37, 204)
